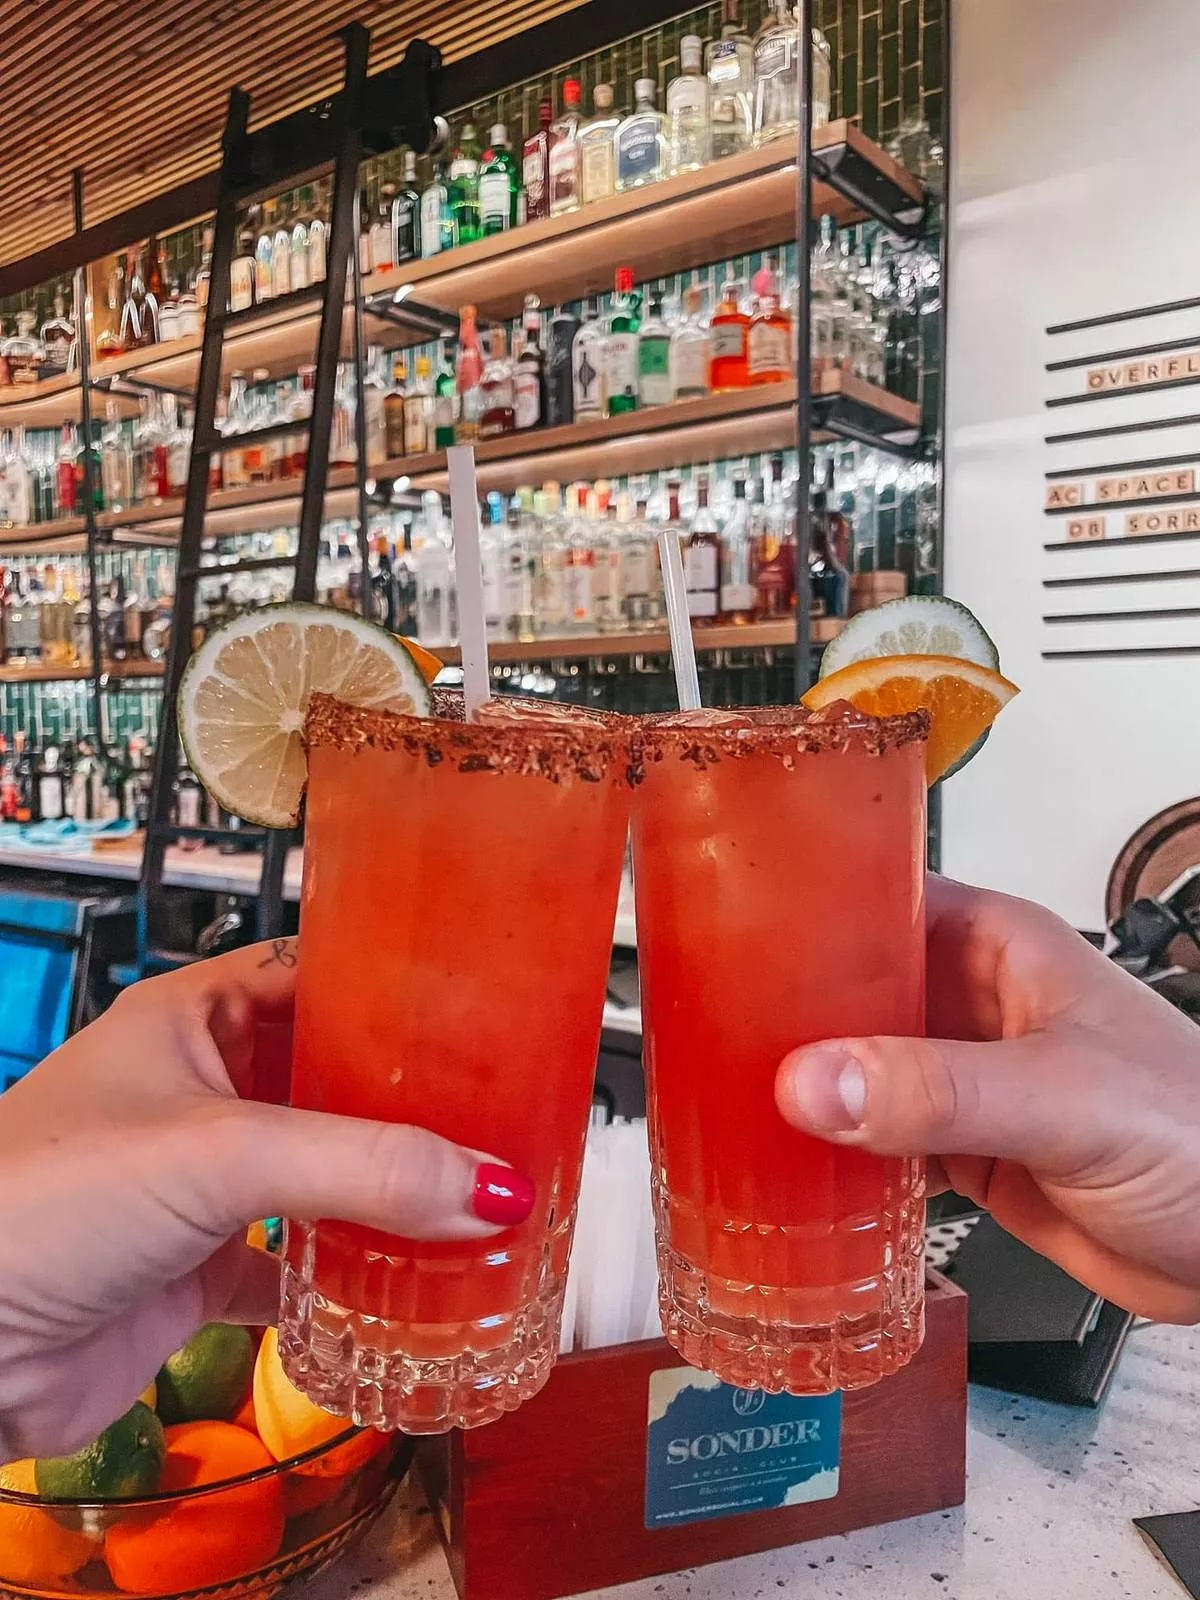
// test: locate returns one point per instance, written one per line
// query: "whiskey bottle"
(535, 166)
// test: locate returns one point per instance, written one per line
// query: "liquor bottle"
(418, 412)
(738, 592)
(828, 579)
(406, 215)
(22, 623)
(55, 620)
(434, 621)
(405, 580)
(201, 280)
(535, 165)
(116, 461)
(158, 615)
(499, 185)
(498, 413)
(530, 384)
(588, 358)
(641, 145)
(689, 144)
(383, 586)
(654, 357)
(553, 561)
(374, 414)
(243, 269)
(188, 801)
(382, 257)
(463, 188)
(490, 562)
(437, 228)
(777, 76)
(318, 242)
(18, 507)
(621, 346)
(445, 396)
(638, 572)
(597, 148)
(729, 64)
(691, 356)
(156, 273)
(51, 790)
(65, 472)
(701, 558)
(608, 557)
(393, 410)
(559, 390)
(564, 154)
(468, 378)
(112, 620)
(8, 783)
(517, 567)
(770, 338)
(178, 443)
(264, 249)
(24, 781)
(281, 251)
(299, 242)
(581, 617)
(366, 219)
(729, 340)
(58, 337)
(841, 535)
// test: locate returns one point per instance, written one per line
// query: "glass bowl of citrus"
(221, 1475)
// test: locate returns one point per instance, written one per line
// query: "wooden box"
(550, 1500)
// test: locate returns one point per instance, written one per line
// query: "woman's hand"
(1055, 1090)
(130, 1166)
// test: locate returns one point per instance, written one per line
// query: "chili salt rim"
(779, 731)
(593, 747)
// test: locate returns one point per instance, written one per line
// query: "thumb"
(936, 1097)
(279, 1161)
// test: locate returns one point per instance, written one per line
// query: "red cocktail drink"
(779, 863)
(460, 886)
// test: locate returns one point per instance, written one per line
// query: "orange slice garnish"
(963, 700)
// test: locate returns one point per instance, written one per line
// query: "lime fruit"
(244, 696)
(209, 1378)
(917, 625)
(124, 1462)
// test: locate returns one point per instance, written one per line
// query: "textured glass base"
(772, 1338)
(360, 1367)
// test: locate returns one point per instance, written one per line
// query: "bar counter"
(1051, 1496)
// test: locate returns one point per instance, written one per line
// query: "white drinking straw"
(472, 628)
(683, 650)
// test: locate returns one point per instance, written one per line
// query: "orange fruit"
(214, 1539)
(963, 700)
(36, 1549)
(426, 663)
(312, 1483)
(288, 1423)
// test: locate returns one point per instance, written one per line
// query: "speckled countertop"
(1050, 1499)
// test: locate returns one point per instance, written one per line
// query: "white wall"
(1075, 150)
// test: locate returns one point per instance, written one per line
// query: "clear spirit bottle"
(437, 229)
(654, 357)
(688, 138)
(597, 148)
(406, 215)
(738, 594)
(587, 366)
(729, 65)
(564, 154)
(701, 558)
(691, 357)
(641, 141)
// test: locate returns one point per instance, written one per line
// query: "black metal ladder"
(364, 117)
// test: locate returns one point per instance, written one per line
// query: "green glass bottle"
(445, 396)
(499, 186)
(463, 188)
(621, 345)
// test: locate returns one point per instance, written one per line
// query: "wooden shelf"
(63, 536)
(717, 427)
(45, 673)
(740, 204)
(231, 511)
(47, 404)
(577, 647)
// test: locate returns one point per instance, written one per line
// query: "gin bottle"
(729, 65)
(641, 141)
(688, 138)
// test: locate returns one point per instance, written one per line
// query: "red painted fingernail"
(502, 1195)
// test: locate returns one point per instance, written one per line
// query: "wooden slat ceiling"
(134, 94)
